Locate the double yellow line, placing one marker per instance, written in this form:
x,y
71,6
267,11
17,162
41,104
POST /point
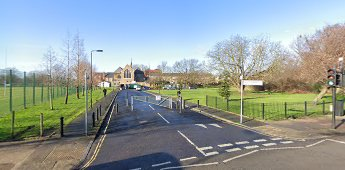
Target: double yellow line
x,y
99,145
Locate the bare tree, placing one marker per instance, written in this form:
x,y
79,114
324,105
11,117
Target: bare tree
x,y
79,55
67,50
242,56
49,61
164,67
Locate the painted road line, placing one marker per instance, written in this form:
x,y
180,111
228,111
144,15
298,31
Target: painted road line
x,y
315,143
212,153
201,125
163,118
196,147
274,139
206,148
269,144
136,169
241,143
233,150
282,148
188,166
152,107
251,147
260,140
215,125
160,164
186,159
286,142
338,141
239,156
225,145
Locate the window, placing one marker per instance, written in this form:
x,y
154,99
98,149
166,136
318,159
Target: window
x,y
127,74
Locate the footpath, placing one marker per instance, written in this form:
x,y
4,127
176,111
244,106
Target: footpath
x,y
298,129
56,152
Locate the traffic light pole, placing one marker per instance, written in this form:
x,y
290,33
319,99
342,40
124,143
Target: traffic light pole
x,y
334,98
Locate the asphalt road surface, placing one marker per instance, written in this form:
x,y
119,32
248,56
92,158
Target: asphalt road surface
x,y
155,137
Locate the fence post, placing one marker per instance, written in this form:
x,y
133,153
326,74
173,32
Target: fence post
x,y
12,124
34,90
11,108
285,109
61,126
263,111
206,100
93,119
41,124
24,90
227,104
216,102
323,107
305,108
42,93
198,104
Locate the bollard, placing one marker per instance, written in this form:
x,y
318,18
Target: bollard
x,y
184,104
206,100
100,110
285,110
180,104
97,115
323,107
305,108
61,126
126,102
117,108
227,104
198,104
41,124
93,119
263,111
97,112
132,107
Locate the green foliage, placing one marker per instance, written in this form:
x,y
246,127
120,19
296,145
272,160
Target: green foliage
x,y
224,87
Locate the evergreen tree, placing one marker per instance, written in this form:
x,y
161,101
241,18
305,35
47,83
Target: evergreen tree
x,y
224,88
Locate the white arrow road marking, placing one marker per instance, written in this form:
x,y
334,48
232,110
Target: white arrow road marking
x,y
286,142
201,125
215,125
276,139
241,143
260,140
269,144
233,150
225,145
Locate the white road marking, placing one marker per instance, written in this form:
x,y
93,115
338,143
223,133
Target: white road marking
x,y
286,142
188,166
163,118
338,141
152,107
233,150
315,143
276,139
215,125
225,145
136,169
160,164
186,159
260,140
269,144
206,148
196,147
282,148
212,153
241,143
201,125
251,147
239,156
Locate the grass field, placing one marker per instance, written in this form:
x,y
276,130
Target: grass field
x,y
27,120
272,105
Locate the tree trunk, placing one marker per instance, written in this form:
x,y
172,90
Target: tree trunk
x,y
77,92
321,94
66,99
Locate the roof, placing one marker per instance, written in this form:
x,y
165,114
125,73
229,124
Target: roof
x,y
118,70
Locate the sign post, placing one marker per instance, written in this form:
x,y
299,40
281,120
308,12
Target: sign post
x,y
247,83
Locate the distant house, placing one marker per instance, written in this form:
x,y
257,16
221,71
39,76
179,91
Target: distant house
x,y
104,84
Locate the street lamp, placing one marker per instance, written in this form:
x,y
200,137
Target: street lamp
x,y
99,51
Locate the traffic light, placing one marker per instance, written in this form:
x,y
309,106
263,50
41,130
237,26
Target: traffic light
x,y
339,80
331,78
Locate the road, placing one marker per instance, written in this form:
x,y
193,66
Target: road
x,y
155,137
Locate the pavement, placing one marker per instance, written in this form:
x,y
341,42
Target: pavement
x,y
54,152
141,137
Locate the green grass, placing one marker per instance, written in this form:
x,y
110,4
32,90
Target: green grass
x,y
274,103
29,118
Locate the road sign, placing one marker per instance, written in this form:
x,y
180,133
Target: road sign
x,y
253,82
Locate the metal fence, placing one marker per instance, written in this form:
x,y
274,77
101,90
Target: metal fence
x,y
20,90
269,111
164,101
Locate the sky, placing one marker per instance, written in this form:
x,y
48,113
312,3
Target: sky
x,y
151,31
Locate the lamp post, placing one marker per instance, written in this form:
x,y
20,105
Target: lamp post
x,y
91,73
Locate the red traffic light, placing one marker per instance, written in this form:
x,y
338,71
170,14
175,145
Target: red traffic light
x,y
331,71
331,77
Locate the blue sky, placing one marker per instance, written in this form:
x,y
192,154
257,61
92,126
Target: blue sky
x,y
151,31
